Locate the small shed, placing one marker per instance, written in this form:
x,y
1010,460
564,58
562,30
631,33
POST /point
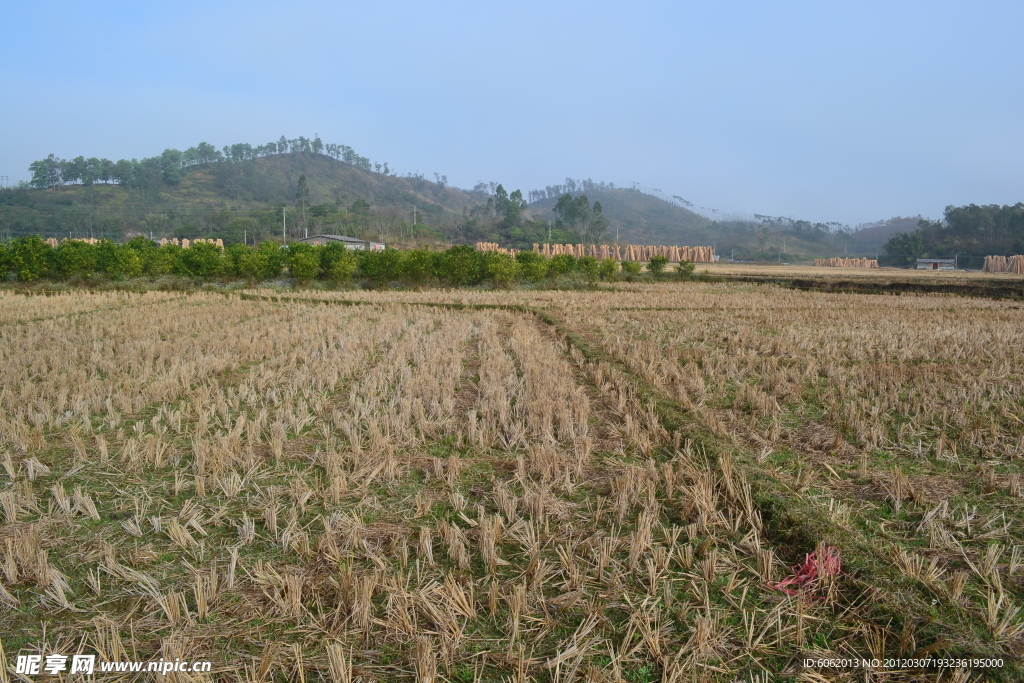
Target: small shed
x,y
936,264
349,242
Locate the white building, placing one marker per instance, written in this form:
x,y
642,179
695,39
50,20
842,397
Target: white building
x,y
936,264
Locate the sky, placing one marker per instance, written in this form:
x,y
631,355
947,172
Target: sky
x,y
824,111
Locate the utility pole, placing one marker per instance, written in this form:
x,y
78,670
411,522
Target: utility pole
x,y
414,215
284,224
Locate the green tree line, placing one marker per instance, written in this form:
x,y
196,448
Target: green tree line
x,y
968,232
54,172
31,258
501,219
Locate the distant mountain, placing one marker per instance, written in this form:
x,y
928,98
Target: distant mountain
x,y
871,236
640,218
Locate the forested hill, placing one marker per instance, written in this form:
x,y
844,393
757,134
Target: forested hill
x,y
274,180
205,197
238,193
640,218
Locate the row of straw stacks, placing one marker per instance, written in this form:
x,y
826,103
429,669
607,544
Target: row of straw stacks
x,y
185,244
838,262
628,252
1004,264
53,241
494,246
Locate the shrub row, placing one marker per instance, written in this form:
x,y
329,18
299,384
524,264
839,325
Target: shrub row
x,y
31,258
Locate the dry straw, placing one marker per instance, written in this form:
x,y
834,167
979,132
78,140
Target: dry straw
x,y
1004,264
627,252
840,262
466,492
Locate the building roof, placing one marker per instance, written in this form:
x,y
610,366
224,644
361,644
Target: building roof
x,y
936,260
336,238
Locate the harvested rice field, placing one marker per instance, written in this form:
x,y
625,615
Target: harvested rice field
x,y
678,482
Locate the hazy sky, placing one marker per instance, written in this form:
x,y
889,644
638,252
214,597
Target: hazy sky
x,y
820,110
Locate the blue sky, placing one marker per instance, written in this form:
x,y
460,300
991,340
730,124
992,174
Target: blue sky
x,y
820,110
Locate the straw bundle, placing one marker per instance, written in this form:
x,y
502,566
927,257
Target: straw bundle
x,y
494,246
1004,264
185,243
839,262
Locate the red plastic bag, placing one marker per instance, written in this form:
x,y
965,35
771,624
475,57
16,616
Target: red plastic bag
x,y
804,575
